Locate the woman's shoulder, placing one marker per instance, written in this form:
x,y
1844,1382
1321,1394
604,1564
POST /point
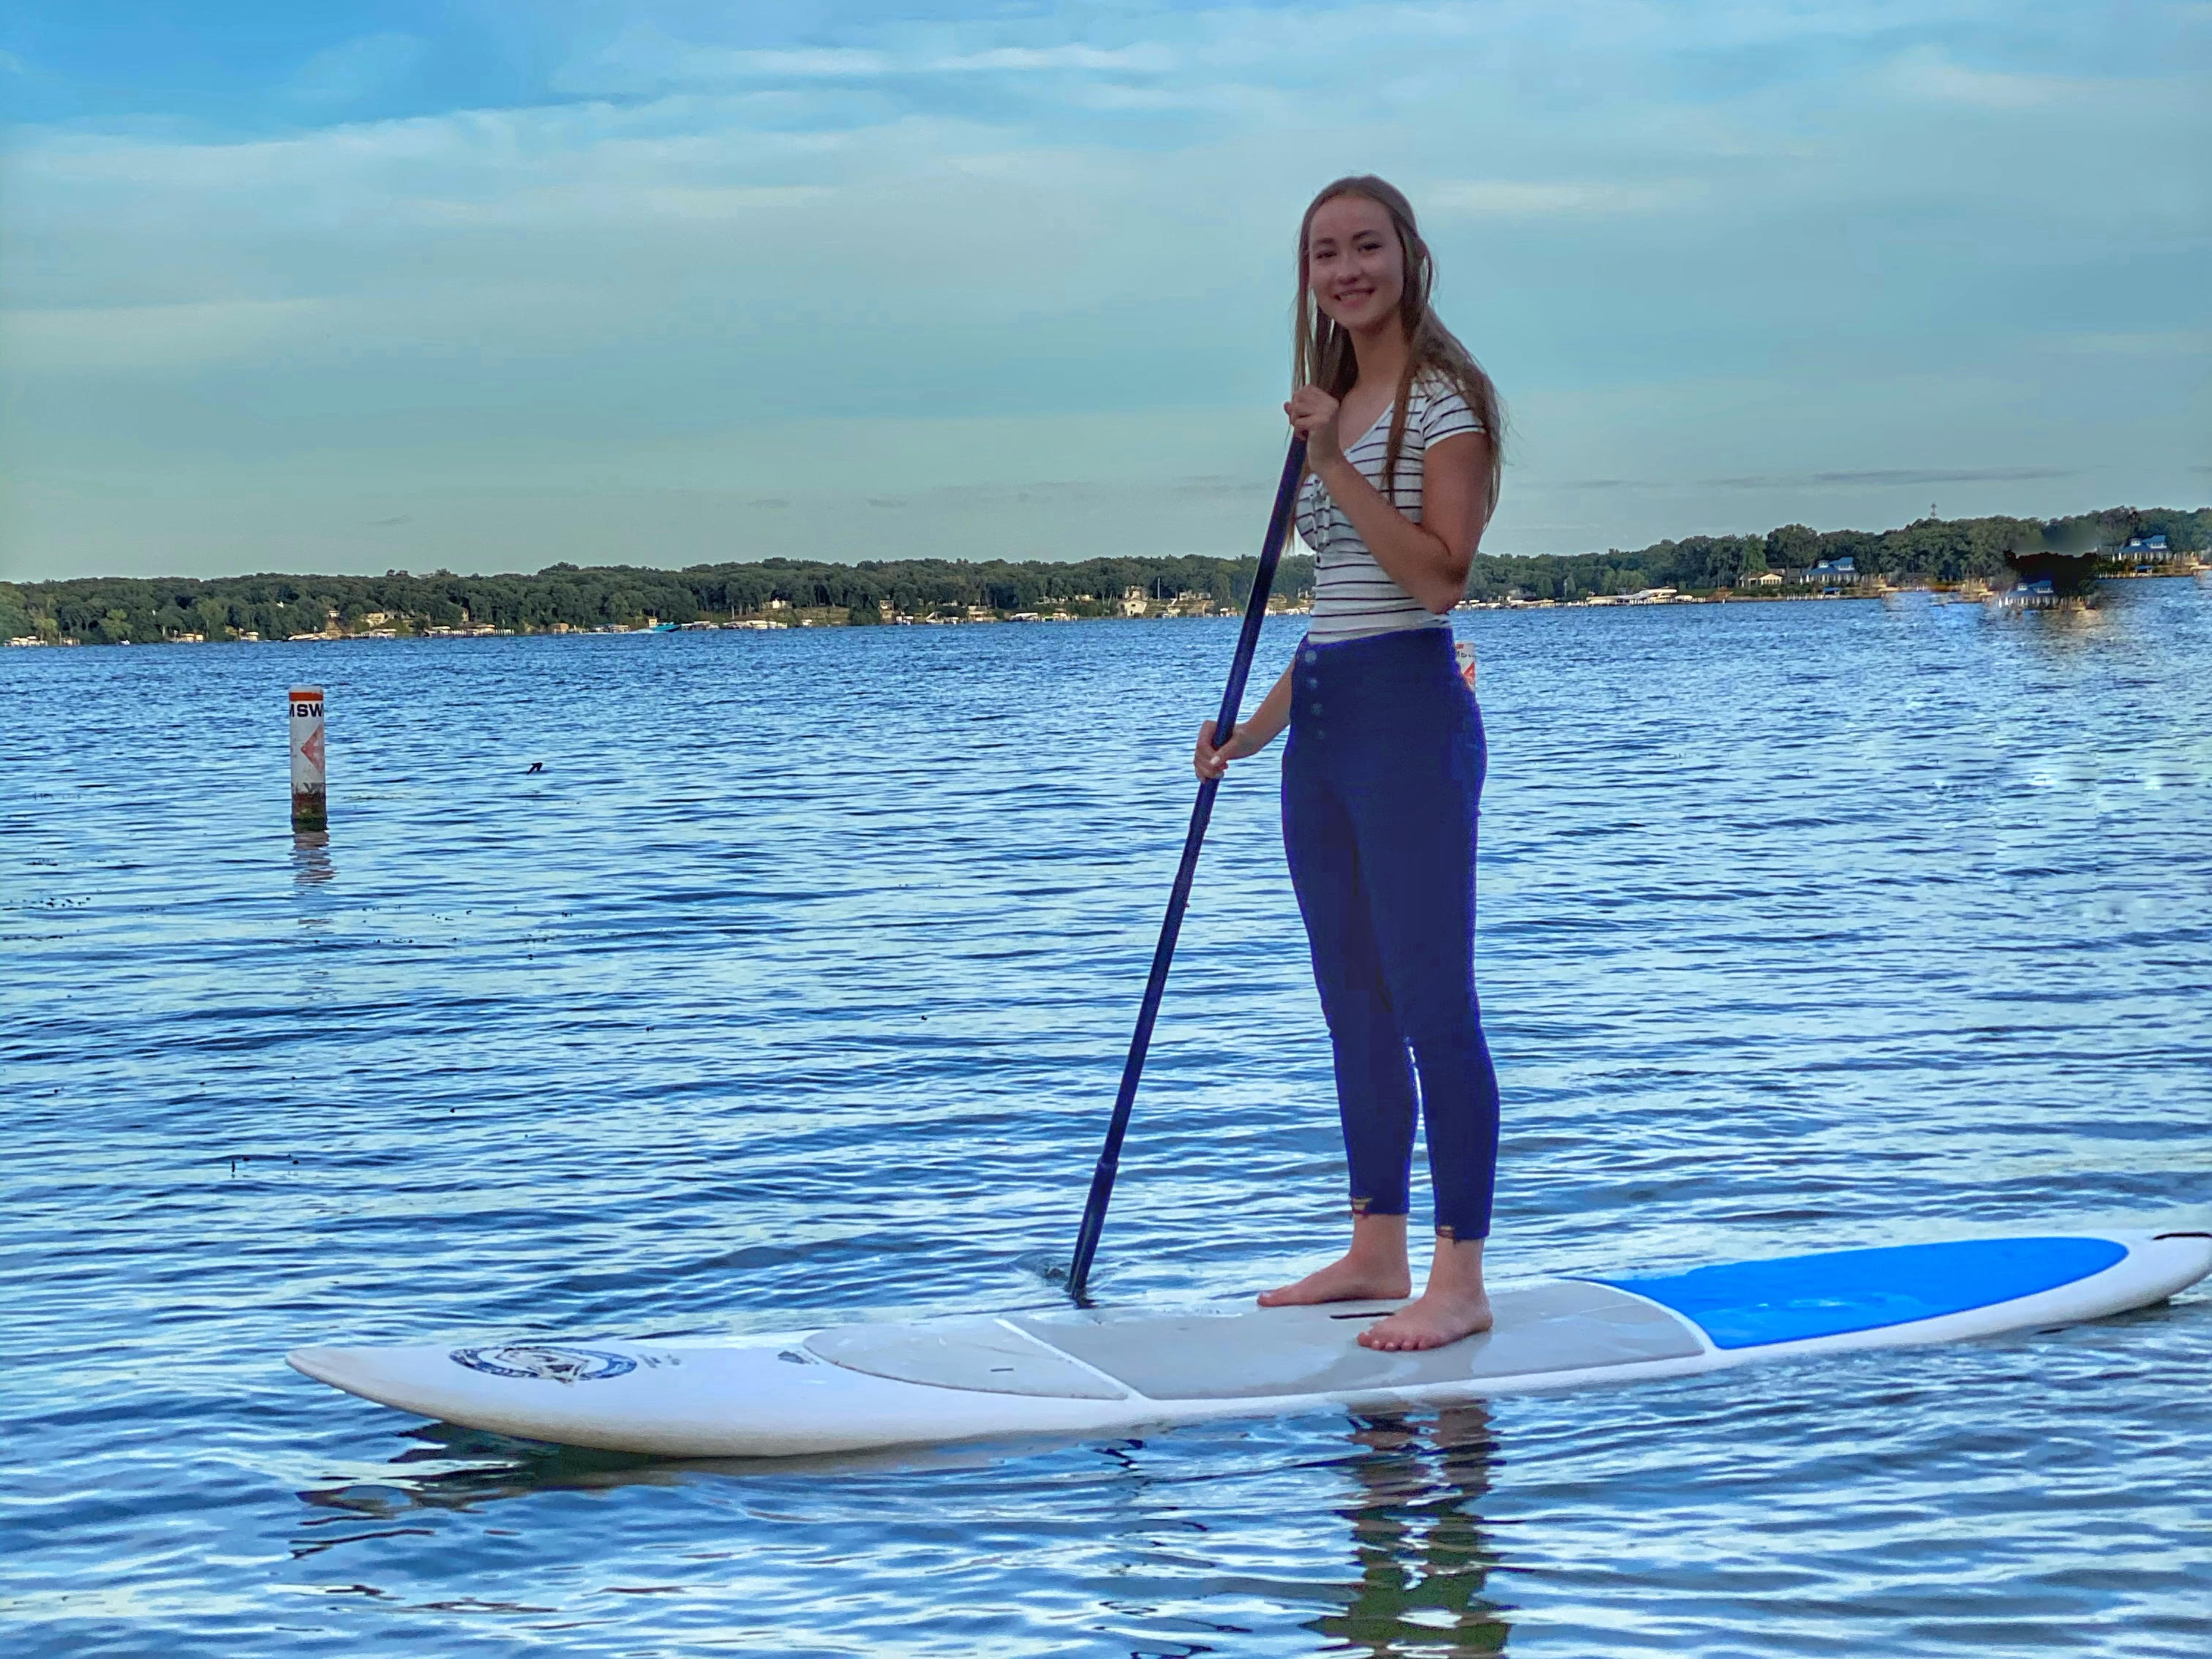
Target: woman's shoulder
x,y
1438,409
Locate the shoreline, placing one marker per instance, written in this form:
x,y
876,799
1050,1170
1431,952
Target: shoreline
x,y
1961,593
1961,559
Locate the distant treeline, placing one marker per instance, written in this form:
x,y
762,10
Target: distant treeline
x,y
1946,551
110,610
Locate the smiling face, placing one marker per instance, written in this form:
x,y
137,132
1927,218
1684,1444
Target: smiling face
x,y
1355,264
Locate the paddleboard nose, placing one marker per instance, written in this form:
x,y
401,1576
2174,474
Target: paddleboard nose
x,y
2186,1257
390,1374
318,1363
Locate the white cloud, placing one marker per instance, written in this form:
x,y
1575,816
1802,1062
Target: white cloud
x,y
360,68
1512,199
644,59
1928,72
1115,60
162,337
2151,345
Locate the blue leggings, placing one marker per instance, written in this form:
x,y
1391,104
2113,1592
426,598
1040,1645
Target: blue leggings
x,y
1382,788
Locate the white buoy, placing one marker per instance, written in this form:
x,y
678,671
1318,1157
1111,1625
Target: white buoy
x,y
308,810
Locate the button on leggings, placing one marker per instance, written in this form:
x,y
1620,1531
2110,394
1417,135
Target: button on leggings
x,y
1382,788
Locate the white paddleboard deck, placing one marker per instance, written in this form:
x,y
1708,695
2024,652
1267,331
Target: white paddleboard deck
x,y
1115,1369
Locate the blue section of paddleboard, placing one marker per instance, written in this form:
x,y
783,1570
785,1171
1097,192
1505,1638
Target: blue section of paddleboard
x,y
1749,1304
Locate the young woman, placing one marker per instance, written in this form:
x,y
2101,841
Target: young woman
x,y
1382,778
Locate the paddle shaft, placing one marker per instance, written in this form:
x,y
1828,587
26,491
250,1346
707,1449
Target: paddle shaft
x,y
1201,811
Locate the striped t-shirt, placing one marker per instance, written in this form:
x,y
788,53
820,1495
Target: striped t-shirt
x,y
1353,596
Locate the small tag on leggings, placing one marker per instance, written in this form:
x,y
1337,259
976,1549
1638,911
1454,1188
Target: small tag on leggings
x,y
1465,653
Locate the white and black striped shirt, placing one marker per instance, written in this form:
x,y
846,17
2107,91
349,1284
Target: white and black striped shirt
x,y
1353,596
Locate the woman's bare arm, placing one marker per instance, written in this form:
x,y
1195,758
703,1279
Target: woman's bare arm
x,y
1429,560
1266,723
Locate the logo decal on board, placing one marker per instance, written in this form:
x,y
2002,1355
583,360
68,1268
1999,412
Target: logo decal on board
x,y
542,1359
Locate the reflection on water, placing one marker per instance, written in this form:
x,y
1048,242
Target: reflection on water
x,y
2071,625
469,1467
311,857
1405,1504
490,1467
1418,1541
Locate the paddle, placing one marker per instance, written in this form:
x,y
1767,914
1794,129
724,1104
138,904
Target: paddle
x,y
1232,701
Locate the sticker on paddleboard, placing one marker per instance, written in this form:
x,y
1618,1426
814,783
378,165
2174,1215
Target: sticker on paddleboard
x,y
545,1361
1465,653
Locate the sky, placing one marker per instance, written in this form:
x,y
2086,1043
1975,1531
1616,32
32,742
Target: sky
x,y
493,283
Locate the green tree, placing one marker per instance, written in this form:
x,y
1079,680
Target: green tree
x,y
16,621
1791,547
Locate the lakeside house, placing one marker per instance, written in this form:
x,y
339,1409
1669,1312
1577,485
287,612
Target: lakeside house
x,y
2142,555
2037,595
2044,577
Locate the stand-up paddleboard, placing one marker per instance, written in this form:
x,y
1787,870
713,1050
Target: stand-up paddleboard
x,y
1112,1370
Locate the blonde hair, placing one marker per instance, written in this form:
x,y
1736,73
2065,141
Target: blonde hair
x,y
1320,348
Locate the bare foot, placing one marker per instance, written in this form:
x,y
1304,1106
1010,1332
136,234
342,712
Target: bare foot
x,y
1452,1305
1437,1318
1345,1280
1373,1269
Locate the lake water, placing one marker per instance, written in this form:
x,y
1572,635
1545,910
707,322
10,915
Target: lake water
x,y
794,989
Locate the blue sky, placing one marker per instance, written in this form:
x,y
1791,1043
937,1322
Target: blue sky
x,y
486,285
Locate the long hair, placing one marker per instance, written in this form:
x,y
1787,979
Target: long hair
x,y
1321,348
